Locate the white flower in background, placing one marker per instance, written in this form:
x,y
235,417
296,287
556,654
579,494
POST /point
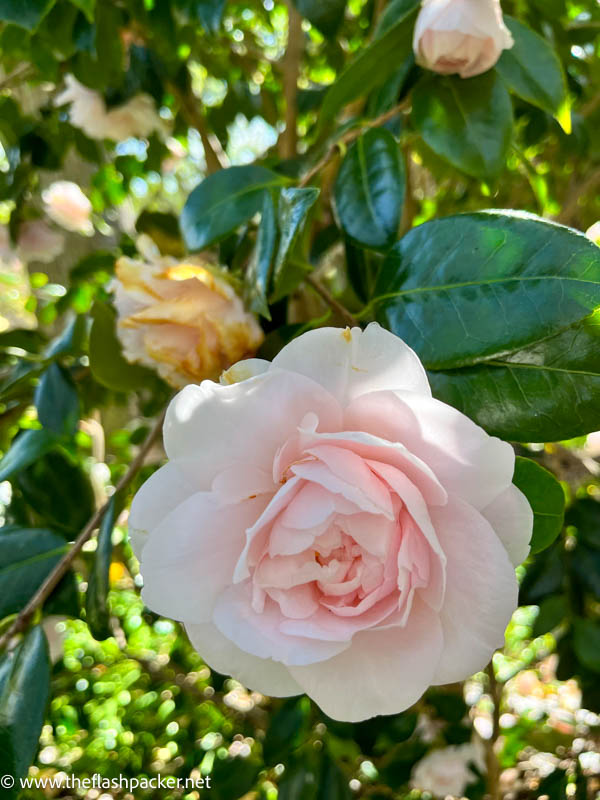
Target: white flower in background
x,y
54,628
38,242
67,205
593,233
181,318
136,117
460,36
448,771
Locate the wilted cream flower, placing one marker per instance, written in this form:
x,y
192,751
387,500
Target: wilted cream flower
x,y
67,205
136,117
460,36
182,319
448,771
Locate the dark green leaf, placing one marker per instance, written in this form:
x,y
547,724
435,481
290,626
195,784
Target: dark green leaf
x,y
107,362
545,576
58,492
333,784
258,274
285,731
96,606
224,201
70,340
294,205
207,12
553,611
25,13
532,69
26,448
27,556
546,498
87,6
467,122
57,402
498,306
326,15
372,66
369,189
23,701
586,642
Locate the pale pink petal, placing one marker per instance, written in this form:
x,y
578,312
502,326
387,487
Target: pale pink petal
x,y
189,558
209,427
158,496
466,460
510,515
241,480
383,672
320,474
260,634
349,363
221,654
481,590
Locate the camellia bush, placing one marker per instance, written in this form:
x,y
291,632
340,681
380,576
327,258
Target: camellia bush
x,y
341,259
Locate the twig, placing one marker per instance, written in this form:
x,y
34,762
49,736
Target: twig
x,y
349,318
492,764
290,65
61,569
579,190
349,136
190,110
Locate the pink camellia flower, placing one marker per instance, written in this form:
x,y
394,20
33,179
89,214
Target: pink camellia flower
x,y
67,205
38,242
135,117
460,36
325,526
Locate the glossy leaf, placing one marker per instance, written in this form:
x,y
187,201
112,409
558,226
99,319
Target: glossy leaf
x,y
286,730
294,205
57,402
25,13
223,202
553,611
27,556
26,448
23,698
532,69
586,642
107,362
58,492
326,15
207,12
373,65
467,122
258,274
96,599
369,189
456,290
546,498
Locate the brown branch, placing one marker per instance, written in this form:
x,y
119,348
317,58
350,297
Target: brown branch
x,y
63,566
348,318
571,206
349,136
189,106
492,764
290,65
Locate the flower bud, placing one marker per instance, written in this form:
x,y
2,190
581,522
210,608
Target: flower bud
x,y
67,205
182,319
465,37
